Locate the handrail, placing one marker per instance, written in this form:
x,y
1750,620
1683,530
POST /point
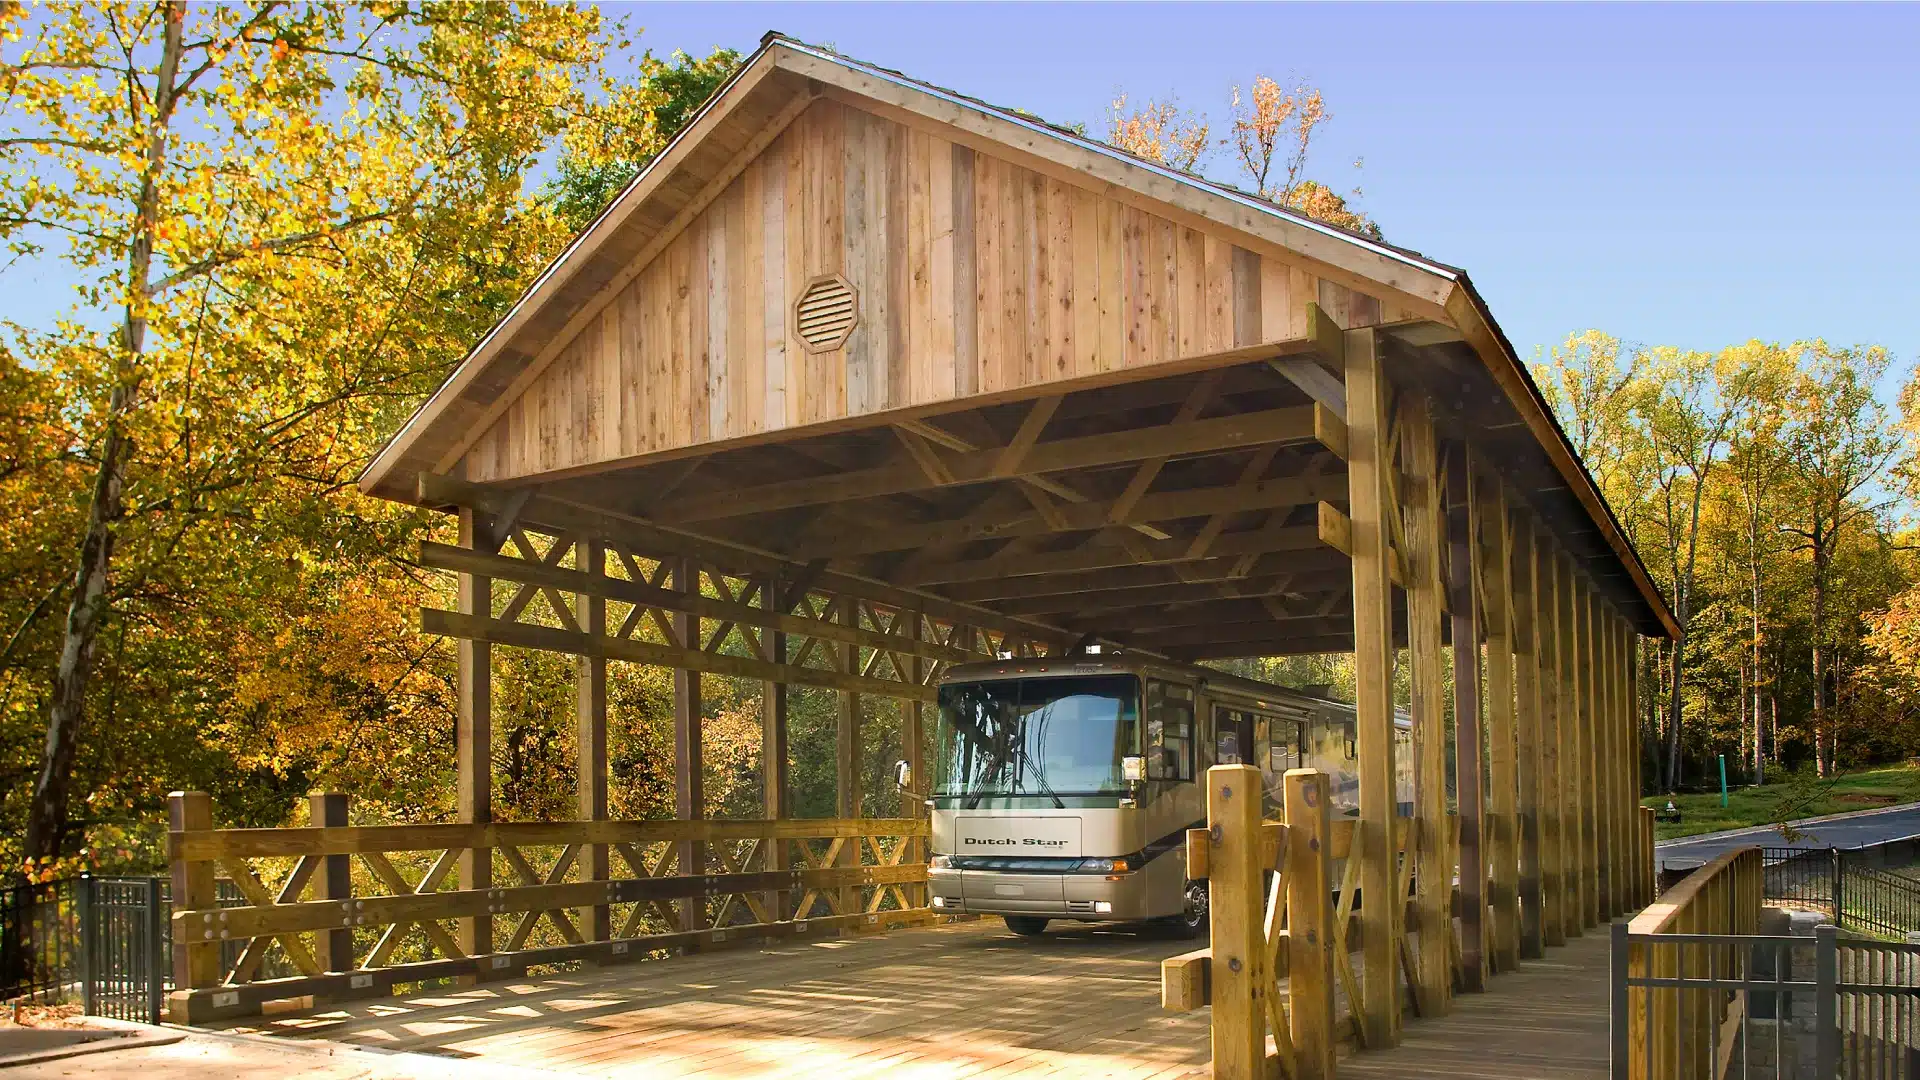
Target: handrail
x,y
1675,902
1671,1026
517,894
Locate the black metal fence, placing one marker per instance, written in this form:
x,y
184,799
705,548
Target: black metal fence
x,y
1851,884
1764,1007
100,943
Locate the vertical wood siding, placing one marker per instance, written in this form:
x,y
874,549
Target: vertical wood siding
x,y
973,276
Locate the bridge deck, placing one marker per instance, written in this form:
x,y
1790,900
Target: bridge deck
x,y
967,999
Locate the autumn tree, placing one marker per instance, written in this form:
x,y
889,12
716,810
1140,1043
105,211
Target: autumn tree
x,y
283,220
1837,443
1159,131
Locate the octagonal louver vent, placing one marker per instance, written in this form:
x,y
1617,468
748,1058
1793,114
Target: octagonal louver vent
x,y
826,313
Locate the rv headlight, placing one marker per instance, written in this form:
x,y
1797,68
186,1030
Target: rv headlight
x,y
940,862
939,901
1105,866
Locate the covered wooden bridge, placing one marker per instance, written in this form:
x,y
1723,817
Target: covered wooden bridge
x,y
862,378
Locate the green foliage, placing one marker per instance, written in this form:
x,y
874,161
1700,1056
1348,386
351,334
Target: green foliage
x,y
639,121
1798,794
1759,484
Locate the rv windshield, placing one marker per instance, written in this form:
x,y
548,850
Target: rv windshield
x,y
1045,737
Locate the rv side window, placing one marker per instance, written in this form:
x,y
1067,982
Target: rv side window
x,y
1169,731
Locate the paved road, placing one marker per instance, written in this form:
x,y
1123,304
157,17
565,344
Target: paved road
x,y
1853,830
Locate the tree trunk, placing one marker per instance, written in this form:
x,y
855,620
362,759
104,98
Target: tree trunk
x,y
1673,711
1822,738
1759,753
87,609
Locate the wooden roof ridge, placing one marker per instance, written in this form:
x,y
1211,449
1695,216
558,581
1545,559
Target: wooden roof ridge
x,y
779,80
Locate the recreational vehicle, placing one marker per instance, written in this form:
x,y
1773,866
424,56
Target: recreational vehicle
x,y
1062,788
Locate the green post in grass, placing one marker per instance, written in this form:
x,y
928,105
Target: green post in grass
x,y
1723,781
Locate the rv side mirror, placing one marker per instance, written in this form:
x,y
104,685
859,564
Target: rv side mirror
x,y
1133,769
902,775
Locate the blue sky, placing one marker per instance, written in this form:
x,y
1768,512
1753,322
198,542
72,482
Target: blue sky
x,y
1689,175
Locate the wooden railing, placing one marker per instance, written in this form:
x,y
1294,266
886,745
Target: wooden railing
x,y
1671,1030
1266,928
359,910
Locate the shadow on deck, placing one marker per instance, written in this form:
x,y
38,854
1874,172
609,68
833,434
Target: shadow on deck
x,y
962,999
967,999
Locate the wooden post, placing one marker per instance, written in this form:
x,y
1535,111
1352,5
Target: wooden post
x,y
1605,757
913,742
1526,650
1309,881
196,956
846,756
1553,878
1496,554
773,742
473,749
1236,889
1590,728
1583,751
1619,806
1432,853
1573,913
590,739
689,759
1370,501
1467,740
333,949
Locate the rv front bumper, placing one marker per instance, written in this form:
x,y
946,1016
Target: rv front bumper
x,y
1047,896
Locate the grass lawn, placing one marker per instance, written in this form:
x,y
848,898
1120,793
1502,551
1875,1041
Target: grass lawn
x,y
1791,799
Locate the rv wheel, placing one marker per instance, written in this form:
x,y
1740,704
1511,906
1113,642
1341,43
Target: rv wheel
x,y
1192,920
1025,925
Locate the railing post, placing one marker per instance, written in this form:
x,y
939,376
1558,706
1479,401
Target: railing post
x,y
1308,873
155,956
1617,1014
89,944
1234,885
1826,974
196,950
1833,857
333,948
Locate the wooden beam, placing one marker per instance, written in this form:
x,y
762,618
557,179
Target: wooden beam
x,y
1527,749
1468,740
473,734
996,524
1315,564
1242,978
1309,947
601,588
1433,846
591,761
689,745
1553,878
1289,425
846,742
742,560
1370,501
1503,852
1093,604
775,771
1270,630
531,636
1095,555
1572,760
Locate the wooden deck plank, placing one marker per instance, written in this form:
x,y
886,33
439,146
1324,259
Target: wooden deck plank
x,y
963,1000
968,1000
1545,1021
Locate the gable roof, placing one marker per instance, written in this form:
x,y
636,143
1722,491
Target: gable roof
x,y
780,80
